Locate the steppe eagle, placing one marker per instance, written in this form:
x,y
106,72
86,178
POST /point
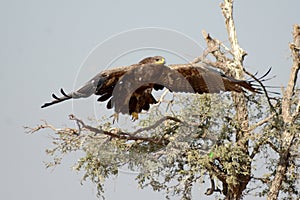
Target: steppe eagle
x,y
129,89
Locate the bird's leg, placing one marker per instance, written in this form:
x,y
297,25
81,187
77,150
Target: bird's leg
x,y
135,116
115,117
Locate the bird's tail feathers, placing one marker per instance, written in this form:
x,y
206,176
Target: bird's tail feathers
x,y
257,83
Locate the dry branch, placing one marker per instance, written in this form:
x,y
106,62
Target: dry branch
x,y
126,135
287,136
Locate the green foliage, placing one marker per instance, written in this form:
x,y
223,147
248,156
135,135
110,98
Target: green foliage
x,y
202,143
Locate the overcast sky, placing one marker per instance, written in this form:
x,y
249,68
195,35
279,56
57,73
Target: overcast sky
x,y
46,45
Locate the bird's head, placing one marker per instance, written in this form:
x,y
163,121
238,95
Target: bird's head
x,y
153,60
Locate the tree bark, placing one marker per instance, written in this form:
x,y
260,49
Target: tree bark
x,y
287,136
234,68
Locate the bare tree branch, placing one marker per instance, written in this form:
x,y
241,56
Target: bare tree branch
x,y
258,124
289,91
237,51
263,180
287,136
213,48
156,124
30,130
124,135
296,114
260,144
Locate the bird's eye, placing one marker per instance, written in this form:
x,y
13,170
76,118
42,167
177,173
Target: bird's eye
x,y
157,59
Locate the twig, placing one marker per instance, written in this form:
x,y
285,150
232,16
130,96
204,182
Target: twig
x,y
30,130
297,111
258,124
262,142
263,180
157,123
119,134
213,47
204,54
161,99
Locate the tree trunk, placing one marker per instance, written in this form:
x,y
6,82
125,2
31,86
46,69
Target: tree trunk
x,y
288,119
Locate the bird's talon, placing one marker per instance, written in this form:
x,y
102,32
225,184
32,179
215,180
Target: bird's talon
x,y
115,117
135,116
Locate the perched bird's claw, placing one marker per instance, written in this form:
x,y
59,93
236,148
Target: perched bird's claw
x,y
115,117
134,116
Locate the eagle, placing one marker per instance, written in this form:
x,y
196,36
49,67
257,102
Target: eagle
x,y
128,89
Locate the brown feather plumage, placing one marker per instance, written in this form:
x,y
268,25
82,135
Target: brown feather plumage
x,y
129,89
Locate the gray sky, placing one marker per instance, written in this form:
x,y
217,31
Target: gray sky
x,y
44,43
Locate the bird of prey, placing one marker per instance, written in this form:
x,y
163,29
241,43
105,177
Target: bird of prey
x,y
129,89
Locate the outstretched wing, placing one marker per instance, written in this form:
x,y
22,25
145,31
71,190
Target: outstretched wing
x,y
129,89
102,84
204,79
